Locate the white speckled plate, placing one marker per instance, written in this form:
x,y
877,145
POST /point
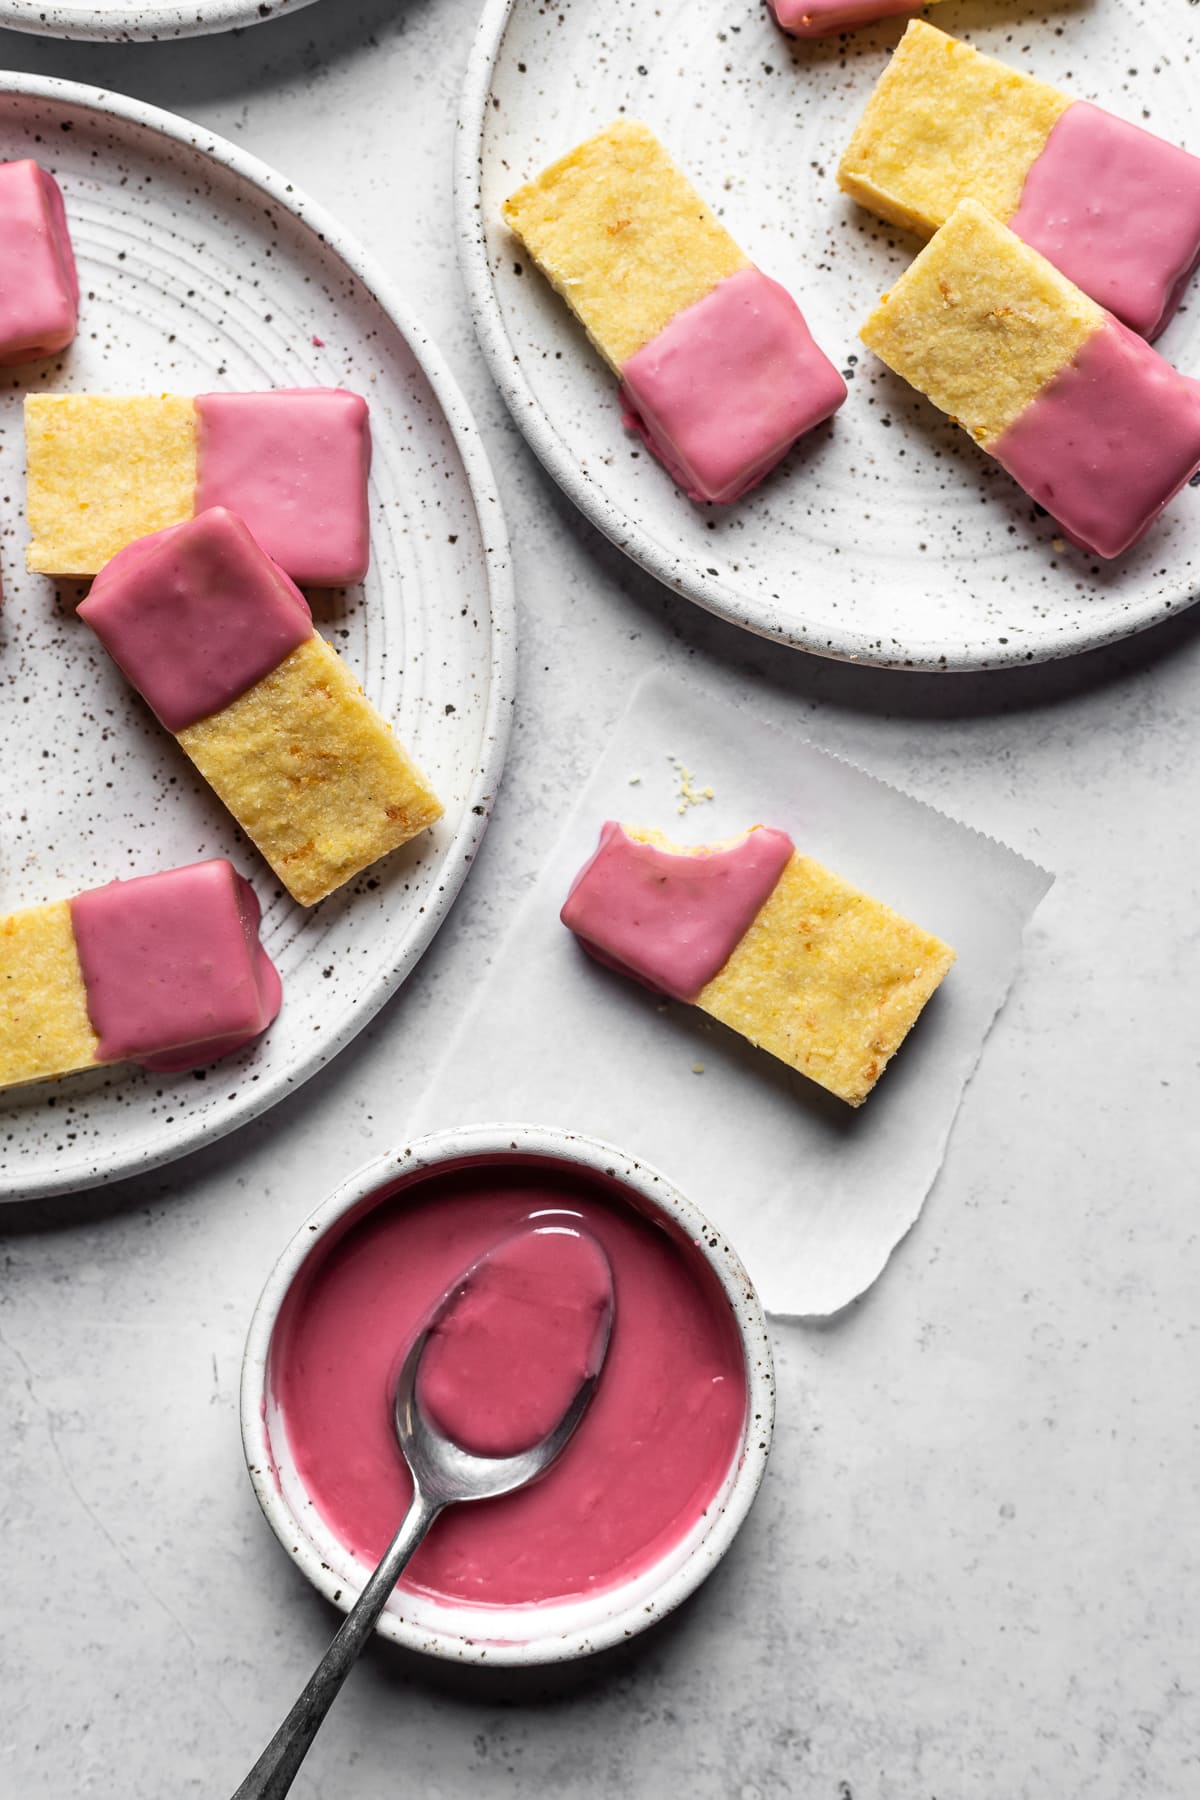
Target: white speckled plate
x,y
199,269
886,536
128,20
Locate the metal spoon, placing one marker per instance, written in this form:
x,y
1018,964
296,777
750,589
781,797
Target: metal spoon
x,y
443,1474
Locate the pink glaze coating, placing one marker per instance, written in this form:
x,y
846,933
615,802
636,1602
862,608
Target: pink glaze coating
x,y
825,18
1107,441
1116,209
294,465
724,390
662,1433
672,920
39,288
174,972
523,1333
195,615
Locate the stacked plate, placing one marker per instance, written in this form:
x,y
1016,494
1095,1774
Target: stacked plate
x,y
126,20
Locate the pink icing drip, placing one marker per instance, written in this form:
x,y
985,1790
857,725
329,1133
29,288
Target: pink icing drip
x,y
195,615
174,971
523,1334
39,288
1116,209
1107,441
648,1458
671,920
728,386
825,18
294,464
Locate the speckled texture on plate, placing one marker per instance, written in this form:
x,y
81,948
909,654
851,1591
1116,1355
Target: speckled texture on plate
x,y
129,20
886,536
201,269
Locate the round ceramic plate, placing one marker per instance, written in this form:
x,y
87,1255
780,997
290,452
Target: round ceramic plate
x,y
127,20
201,269
886,536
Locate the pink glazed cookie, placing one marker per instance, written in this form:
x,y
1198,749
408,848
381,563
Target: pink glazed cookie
x,y
719,373
1093,422
220,643
39,289
103,470
826,18
165,970
765,940
1112,206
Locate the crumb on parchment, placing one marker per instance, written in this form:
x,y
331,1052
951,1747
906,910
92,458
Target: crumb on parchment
x,y
686,792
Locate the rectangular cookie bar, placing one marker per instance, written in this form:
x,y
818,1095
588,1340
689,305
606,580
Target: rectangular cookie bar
x,y
766,940
165,970
1111,205
1091,421
220,643
719,373
39,289
104,470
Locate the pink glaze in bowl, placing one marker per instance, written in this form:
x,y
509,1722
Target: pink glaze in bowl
x,y
517,1633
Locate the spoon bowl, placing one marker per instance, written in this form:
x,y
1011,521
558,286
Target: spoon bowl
x,y
441,1469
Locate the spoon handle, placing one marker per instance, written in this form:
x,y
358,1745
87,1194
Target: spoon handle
x,y
276,1769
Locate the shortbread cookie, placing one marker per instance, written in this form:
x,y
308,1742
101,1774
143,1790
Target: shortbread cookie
x,y
165,970
1114,207
104,470
220,643
827,18
719,372
1091,421
767,941
39,289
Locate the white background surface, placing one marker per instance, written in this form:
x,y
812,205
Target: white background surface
x,y
972,1568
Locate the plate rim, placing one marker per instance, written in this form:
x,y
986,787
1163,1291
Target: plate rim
x,y
719,597
459,856
90,23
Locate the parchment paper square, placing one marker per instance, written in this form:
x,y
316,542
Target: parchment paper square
x,y
813,1194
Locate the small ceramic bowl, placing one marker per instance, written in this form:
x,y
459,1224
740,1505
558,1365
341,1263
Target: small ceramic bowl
x,y
551,1631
